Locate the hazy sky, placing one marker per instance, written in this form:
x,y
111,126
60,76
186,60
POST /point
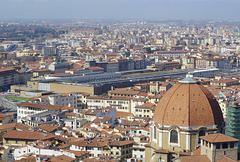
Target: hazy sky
x,y
118,9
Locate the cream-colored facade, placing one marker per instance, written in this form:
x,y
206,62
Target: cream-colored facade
x,y
121,151
120,104
26,53
188,139
144,112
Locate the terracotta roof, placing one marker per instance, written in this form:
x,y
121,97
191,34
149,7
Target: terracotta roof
x,y
27,159
38,70
27,135
188,104
195,158
60,74
226,159
6,69
120,143
92,112
94,68
62,158
145,105
79,153
14,126
225,81
3,116
218,137
197,151
123,114
47,127
162,151
102,120
63,146
98,160
42,106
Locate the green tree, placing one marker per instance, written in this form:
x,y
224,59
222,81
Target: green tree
x,y
148,49
178,42
127,54
227,43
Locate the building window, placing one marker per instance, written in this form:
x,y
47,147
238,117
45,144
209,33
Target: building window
x,y
218,146
225,145
201,133
232,145
173,136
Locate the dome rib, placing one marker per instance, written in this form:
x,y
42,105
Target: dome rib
x,y
205,96
214,105
168,103
189,116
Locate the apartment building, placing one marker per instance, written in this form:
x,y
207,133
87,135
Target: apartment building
x,y
26,109
96,148
172,54
9,76
119,103
76,99
145,110
224,82
123,104
124,92
121,149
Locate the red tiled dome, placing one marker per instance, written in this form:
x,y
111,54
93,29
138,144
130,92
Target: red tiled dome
x,y
188,104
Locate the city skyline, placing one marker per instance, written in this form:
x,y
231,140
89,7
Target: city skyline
x,y
122,9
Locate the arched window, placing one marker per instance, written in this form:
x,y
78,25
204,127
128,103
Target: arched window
x,y
173,136
201,133
155,133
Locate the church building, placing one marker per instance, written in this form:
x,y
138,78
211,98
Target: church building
x,y
186,112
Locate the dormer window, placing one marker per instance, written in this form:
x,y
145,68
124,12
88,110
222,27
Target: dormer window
x,y
173,136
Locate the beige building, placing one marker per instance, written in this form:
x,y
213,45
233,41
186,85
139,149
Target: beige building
x,y
119,103
121,149
41,72
145,110
159,86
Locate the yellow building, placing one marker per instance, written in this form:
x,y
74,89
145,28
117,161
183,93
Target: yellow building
x,y
145,110
41,72
121,149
